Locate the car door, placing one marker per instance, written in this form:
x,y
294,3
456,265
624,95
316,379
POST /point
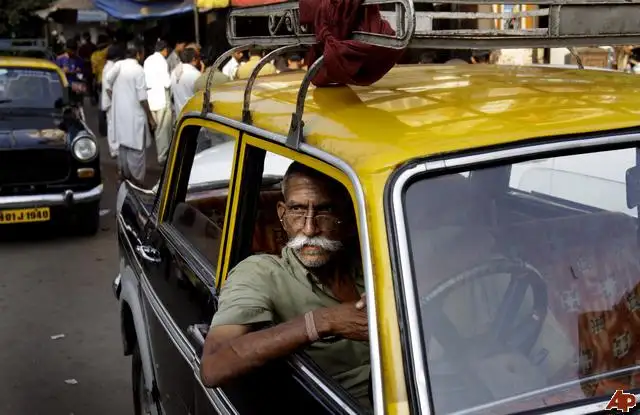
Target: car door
x,y
180,256
293,384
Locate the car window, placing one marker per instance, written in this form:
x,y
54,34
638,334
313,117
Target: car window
x,y
588,179
528,292
199,217
29,88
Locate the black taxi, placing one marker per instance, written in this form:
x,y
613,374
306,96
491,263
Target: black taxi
x,y
50,167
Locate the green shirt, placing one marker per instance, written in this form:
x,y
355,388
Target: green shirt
x,y
272,289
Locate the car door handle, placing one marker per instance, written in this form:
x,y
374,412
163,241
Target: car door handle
x,y
148,253
197,333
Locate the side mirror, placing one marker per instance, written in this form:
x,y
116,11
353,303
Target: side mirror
x,y
632,182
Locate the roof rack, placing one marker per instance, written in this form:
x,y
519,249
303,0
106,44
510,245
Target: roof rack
x,y
23,44
570,23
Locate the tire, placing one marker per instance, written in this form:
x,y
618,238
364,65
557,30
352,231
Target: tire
x,y
88,219
140,404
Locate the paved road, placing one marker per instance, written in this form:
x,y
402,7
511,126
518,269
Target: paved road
x,y
54,284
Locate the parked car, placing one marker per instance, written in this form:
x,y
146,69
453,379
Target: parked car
x,y
49,161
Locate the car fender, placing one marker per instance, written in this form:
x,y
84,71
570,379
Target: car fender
x,y
134,323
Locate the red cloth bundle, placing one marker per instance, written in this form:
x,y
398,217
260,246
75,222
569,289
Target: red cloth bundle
x,y
347,62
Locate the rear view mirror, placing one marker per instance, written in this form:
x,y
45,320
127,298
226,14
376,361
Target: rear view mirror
x,y
632,181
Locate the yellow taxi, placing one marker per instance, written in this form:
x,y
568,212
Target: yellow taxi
x,y
495,214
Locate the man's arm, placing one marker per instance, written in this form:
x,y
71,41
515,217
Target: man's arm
x,y
141,93
233,350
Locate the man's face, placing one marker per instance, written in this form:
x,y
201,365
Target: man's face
x,y
237,56
180,46
312,219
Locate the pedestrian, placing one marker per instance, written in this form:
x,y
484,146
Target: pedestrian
x,y
173,60
295,62
156,72
114,54
184,77
132,119
98,61
231,67
479,57
70,62
85,51
255,54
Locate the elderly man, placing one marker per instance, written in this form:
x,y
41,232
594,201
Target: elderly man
x,y
311,292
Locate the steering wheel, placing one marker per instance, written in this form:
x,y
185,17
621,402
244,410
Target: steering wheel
x,y
504,335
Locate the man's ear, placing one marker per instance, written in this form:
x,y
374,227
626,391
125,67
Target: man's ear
x,y
281,209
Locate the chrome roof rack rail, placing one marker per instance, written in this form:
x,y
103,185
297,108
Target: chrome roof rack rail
x,y
246,113
570,22
296,130
207,105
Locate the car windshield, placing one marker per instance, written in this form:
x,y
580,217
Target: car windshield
x,y
29,88
528,281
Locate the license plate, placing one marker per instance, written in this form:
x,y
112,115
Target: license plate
x,y
25,215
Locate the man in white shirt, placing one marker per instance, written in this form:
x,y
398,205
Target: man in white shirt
x,y
184,77
231,67
132,118
156,73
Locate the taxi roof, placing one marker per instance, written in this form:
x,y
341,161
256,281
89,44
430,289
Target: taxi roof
x,y
423,110
27,62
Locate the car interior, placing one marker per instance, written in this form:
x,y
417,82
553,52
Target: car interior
x,y
580,264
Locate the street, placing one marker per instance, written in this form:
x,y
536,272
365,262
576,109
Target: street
x,y
60,328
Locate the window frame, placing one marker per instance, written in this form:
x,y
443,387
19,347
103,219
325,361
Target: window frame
x,y
173,189
320,386
413,347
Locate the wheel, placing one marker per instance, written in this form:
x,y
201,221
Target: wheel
x,y
88,219
141,402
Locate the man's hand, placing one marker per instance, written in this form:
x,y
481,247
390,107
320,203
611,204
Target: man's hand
x,y
152,124
347,320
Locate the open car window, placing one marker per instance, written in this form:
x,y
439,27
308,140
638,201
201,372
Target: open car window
x,y
528,281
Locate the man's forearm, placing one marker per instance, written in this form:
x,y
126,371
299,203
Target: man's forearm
x,y
147,110
242,354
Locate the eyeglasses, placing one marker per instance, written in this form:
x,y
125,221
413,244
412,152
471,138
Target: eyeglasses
x,y
324,221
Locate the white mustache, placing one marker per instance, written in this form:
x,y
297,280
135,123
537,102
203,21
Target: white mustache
x,y
299,241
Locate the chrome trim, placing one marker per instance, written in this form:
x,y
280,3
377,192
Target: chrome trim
x,y
417,362
216,397
374,342
173,331
299,364
116,286
456,161
367,269
419,369
238,125
79,137
57,199
139,189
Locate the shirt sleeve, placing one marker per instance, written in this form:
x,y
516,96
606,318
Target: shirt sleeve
x,y
141,86
245,296
111,75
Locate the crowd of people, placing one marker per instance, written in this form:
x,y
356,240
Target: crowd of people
x,y
141,96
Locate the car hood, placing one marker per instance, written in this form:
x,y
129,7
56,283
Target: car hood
x,y
31,132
